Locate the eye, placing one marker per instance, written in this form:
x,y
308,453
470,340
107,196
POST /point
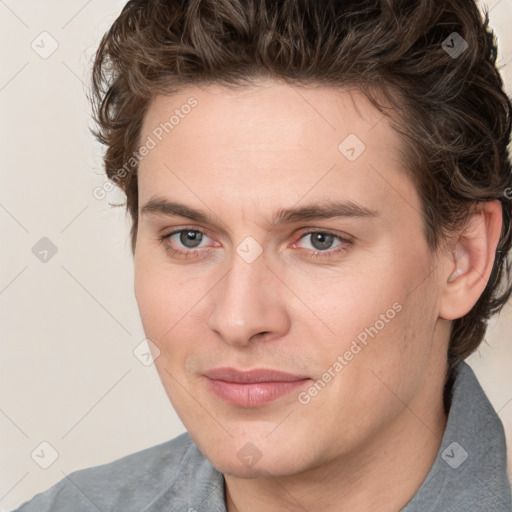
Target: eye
x,y
319,241
188,238
322,244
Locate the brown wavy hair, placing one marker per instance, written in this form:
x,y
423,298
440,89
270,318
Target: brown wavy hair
x,y
451,111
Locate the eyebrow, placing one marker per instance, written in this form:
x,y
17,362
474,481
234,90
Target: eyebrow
x,y
159,206
323,210
317,211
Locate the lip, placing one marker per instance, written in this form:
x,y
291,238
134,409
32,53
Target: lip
x,y
252,388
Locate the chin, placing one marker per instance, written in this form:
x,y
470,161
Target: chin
x,y
248,474
262,469
244,459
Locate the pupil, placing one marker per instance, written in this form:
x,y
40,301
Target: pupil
x,y
190,239
322,241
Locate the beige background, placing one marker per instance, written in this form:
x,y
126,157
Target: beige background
x,y
68,375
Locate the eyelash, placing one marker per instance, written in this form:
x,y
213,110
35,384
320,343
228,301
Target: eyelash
x,y
180,253
314,254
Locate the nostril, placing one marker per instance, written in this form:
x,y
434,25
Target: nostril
x,y
260,334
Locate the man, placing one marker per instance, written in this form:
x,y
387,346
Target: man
x,y
320,233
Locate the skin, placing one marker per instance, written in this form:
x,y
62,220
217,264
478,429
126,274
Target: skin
x,y
368,439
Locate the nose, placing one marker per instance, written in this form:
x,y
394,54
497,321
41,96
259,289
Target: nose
x,y
248,302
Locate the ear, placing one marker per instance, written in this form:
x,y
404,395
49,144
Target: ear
x,y
470,263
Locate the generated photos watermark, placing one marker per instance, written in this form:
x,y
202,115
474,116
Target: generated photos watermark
x,y
151,142
342,361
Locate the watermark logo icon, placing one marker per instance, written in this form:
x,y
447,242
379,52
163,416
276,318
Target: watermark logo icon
x,y
44,455
454,455
455,45
146,352
249,455
352,147
44,250
44,45
249,250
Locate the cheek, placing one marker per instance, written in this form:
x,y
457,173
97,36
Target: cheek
x,y
165,299
342,304
152,304
173,318
163,312
371,371
379,320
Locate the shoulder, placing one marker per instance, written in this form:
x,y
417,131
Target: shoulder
x,y
129,483
469,472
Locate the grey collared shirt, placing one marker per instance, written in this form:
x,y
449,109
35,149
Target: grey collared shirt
x,y
468,475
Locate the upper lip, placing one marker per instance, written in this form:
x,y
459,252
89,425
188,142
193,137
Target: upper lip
x,y
252,376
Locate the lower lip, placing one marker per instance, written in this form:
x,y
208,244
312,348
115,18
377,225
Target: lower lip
x,y
255,394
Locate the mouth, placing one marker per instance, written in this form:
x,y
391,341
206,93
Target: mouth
x,y
253,388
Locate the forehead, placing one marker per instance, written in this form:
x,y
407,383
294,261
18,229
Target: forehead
x,y
273,114
272,142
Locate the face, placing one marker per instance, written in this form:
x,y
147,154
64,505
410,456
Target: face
x,y
282,272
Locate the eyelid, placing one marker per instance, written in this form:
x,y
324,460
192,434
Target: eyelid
x,y
180,229
328,255
185,253
345,238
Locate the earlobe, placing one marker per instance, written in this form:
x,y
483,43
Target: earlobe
x,y
472,259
